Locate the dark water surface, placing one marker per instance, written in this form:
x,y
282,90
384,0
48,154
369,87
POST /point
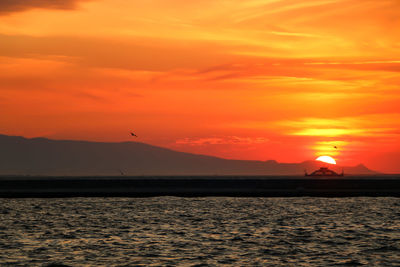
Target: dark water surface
x,y
213,231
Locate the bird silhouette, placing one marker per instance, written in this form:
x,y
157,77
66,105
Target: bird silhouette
x,y
134,135
335,147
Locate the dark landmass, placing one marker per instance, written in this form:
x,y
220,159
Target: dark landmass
x,y
196,186
41,156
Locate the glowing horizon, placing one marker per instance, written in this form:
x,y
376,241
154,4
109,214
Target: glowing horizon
x,y
283,80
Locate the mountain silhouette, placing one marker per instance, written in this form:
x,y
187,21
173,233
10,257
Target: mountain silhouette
x,y
41,156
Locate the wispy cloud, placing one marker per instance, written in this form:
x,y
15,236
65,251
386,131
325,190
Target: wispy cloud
x,y
228,140
362,126
10,6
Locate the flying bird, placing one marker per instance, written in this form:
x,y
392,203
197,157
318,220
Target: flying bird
x,y
134,135
335,147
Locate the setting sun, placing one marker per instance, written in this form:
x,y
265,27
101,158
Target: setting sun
x,y
326,159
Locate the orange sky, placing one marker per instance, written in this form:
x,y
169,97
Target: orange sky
x,y
275,79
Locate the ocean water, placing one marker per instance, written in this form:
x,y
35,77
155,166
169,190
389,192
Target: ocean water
x,y
212,231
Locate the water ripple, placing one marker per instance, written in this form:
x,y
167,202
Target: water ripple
x,y
175,231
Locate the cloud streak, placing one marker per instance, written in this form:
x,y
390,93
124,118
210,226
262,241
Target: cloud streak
x,y
10,6
229,140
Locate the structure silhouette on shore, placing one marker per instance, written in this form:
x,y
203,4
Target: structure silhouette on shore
x,y
324,171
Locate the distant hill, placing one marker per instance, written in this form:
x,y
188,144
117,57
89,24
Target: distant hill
x,y
41,156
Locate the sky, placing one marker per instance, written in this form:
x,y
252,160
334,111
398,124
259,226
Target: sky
x,y
276,79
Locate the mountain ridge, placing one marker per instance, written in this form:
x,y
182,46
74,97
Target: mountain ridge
x,y
43,156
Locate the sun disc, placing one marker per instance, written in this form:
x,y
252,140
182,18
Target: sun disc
x,y
326,159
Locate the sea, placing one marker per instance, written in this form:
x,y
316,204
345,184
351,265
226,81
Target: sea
x,y
210,231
